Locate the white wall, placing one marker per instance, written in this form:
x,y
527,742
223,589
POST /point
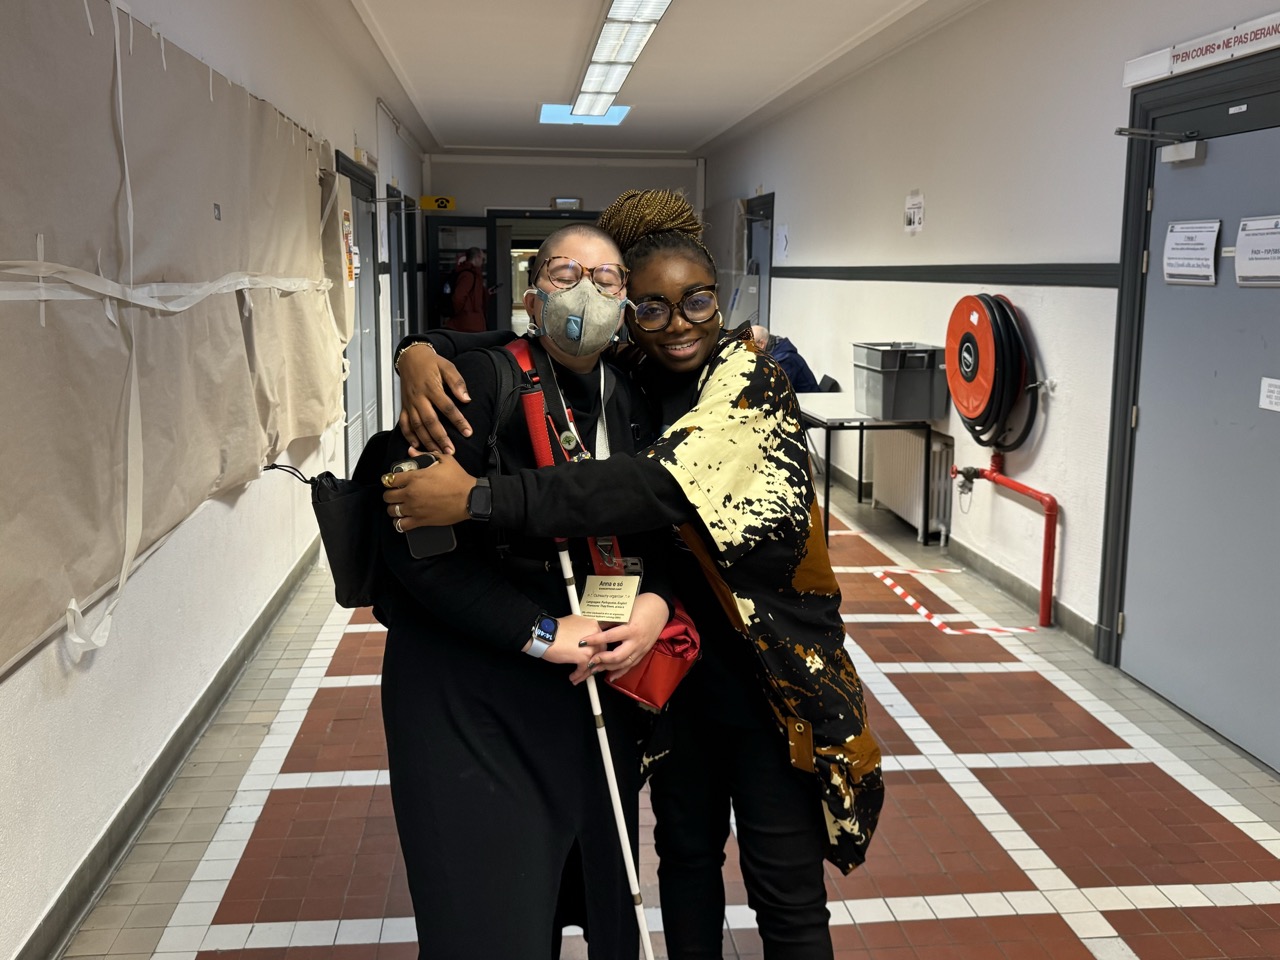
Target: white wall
x,y
1004,119
75,740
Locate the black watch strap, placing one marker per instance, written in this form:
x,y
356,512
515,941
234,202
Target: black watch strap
x,y
480,500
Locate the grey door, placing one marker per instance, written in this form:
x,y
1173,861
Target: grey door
x,y
1201,579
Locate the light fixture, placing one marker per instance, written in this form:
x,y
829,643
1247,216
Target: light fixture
x,y
638,10
592,104
605,77
627,28
622,42
562,113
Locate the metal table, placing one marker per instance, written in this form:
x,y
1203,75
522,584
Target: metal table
x,y
829,412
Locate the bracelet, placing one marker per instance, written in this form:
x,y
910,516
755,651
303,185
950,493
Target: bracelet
x,y
406,348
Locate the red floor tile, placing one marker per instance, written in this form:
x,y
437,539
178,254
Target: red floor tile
x,y
928,842
854,551
320,854
342,731
924,643
865,593
1003,712
1212,933
358,654
1045,937
363,615
891,737
1125,824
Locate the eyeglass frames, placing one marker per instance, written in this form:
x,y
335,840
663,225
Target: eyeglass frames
x,y
697,306
565,272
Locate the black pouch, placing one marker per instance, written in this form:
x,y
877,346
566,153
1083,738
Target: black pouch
x,y
347,512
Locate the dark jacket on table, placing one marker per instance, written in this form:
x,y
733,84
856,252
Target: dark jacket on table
x,y
792,364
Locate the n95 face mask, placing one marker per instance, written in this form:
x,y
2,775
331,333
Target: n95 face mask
x,y
580,320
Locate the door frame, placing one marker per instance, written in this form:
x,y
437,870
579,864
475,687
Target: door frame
x,y
759,209
1233,81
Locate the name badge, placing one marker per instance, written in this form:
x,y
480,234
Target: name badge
x,y
609,599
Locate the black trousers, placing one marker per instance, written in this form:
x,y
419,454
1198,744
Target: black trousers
x,y
781,839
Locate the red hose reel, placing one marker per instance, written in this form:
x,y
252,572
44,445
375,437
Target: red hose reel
x,y
989,370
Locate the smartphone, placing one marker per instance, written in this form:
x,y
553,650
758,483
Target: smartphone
x,y
425,541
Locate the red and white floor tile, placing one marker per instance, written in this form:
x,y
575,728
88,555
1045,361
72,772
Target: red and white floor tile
x,y
1040,805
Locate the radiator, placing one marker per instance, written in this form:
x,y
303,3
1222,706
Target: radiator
x,y
897,476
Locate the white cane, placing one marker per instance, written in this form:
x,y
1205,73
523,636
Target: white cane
x,y
566,567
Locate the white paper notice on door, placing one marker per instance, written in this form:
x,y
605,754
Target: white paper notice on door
x,y
1189,252
1258,252
1269,399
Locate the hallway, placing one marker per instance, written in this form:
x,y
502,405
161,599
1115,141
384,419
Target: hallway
x,y
1040,804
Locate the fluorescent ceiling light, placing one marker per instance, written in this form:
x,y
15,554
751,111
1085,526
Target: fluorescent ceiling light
x,y
638,9
605,77
592,104
563,113
622,42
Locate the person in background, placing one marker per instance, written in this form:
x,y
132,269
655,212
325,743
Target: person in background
x,y
497,782
772,719
470,296
788,357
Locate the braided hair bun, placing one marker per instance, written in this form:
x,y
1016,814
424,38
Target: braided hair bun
x,y
643,222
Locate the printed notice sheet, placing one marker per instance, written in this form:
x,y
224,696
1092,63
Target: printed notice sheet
x,y
1258,252
1189,252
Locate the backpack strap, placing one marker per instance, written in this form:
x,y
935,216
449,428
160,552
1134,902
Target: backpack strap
x,y
505,403
606,555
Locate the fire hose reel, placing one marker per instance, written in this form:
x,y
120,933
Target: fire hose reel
x,y
989,368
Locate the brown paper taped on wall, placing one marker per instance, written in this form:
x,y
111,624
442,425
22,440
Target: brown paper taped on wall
x,y
224,385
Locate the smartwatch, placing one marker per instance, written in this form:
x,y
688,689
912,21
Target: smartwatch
x,y
542,635
480,500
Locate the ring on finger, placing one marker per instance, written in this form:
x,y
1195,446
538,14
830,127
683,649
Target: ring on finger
x,y
399,528
398,511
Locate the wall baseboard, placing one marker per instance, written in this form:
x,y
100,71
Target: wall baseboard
x,y
1077,626
55,931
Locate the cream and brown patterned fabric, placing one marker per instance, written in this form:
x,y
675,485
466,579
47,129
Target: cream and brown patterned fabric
x,y
740,457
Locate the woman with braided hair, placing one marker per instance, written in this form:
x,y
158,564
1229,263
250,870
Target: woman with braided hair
x,y
774,700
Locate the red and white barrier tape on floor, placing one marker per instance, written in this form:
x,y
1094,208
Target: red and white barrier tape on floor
x,y
941,624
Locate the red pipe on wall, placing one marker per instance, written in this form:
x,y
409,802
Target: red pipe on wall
x,y
995,474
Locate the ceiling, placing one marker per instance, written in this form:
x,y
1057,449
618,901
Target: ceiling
x,y
478,71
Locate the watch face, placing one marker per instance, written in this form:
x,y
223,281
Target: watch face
x,y
480,502
547,627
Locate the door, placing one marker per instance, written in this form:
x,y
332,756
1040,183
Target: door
x,y
1200,575
366,348
448,240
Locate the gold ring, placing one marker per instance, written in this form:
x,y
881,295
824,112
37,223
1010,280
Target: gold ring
x,y
399,529
398,513
630,657
388,480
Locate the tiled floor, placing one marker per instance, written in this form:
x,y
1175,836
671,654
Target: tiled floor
x,y
1040,804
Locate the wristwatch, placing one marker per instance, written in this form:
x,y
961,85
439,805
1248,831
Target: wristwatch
x,y
480,500
542,635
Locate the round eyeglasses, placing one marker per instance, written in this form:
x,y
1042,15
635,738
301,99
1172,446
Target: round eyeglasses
x,y
566,272
697,306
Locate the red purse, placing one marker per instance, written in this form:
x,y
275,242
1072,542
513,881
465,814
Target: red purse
x,y
653,680
655,677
